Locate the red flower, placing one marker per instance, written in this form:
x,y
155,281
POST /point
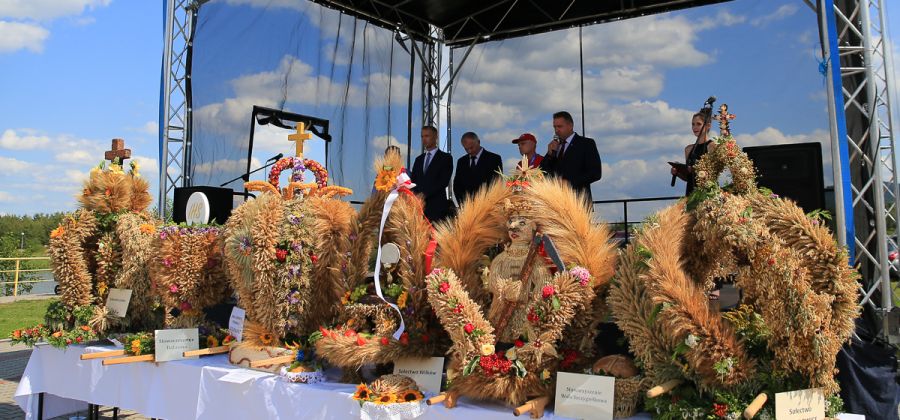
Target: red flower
x,y
78,339
468,328
771,261
281,255
349,333
384,341
425,338
404,338
360,341
458,308
444,287
720,410
533,317
314,258
519,343
548,291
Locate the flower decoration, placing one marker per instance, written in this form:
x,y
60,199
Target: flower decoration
x,y
386,179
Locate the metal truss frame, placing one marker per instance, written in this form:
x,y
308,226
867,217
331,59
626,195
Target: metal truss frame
x,y
866,181
175,108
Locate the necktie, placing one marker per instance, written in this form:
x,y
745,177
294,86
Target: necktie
x,y
562,149
471,161
427,161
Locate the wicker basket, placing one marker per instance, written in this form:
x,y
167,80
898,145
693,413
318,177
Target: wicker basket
x,y
628,396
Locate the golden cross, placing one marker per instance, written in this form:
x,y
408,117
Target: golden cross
x,y
724,117
118,152
299,137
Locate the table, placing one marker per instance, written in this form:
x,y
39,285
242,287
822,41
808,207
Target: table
x,y
193,389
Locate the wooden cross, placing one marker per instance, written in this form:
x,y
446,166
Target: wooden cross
x,y
299,137
119,153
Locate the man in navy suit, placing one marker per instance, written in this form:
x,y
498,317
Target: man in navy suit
x,y
572,157
474,169
431,174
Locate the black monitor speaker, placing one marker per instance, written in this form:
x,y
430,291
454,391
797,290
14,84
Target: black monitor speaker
x,y
792,171
220,203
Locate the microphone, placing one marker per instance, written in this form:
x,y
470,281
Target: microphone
x,y
276,157
710,100
556,151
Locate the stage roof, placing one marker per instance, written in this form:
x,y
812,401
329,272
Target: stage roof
x,y
473,21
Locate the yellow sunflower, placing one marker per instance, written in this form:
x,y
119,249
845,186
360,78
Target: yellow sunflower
x,y
362,393
212,341
410,396
386,399
267,339
147,228
136,347
385,180
401,300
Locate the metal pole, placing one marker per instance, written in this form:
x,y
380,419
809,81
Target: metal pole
x,y
167,89
16,279
875,153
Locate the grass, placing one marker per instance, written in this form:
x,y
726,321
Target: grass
x,y
24,313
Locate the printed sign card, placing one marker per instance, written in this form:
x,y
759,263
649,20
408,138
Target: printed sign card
x,y
807,404
236,323
171,344
117,302
584,396
426,372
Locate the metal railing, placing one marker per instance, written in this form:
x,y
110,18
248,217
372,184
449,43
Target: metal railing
x,y
18,270
625,220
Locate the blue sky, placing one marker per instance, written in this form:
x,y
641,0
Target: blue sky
x,y
76,73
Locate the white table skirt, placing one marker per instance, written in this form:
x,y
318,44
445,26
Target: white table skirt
x,y
189,389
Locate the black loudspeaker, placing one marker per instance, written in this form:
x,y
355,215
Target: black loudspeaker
x,y
792,171
220,203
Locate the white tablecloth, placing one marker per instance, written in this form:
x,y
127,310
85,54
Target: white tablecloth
x,y
188,389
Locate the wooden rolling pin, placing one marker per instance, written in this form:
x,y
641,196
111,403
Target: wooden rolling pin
x,y
756,405
102,354
663,388
128,359
273,361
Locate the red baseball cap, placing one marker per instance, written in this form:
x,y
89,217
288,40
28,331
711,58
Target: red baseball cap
x,y
525,137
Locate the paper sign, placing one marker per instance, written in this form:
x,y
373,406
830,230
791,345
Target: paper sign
x,y
848,416
426,372
171,344
584,396
117,302
236,323
808,404
239,376
117,343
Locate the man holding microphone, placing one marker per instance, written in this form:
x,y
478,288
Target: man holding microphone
x,y
572,157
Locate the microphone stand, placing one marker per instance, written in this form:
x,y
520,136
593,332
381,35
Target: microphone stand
x,y
706,123
246,176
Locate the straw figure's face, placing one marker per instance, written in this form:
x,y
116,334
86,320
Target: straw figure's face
x,y
520,228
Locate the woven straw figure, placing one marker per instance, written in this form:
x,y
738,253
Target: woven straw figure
x,y
799,295
507,322
105,244
366,325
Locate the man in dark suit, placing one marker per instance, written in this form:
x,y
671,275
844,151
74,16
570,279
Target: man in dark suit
x,y
431,174
474,169
572,157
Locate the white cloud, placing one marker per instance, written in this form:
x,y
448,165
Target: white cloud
x,y
47,9
6,197
150,128
23,139
12,165
780,13
16,36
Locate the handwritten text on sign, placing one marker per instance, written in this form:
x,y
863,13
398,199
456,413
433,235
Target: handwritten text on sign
x,y
808,404
426,372
585,396
171,344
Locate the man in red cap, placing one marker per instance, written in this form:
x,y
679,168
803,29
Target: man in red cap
x,y
527,143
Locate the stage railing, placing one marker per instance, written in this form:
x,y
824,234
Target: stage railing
x,y
16,273
625,223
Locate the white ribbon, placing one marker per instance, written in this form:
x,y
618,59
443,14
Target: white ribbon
x,y
403,181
